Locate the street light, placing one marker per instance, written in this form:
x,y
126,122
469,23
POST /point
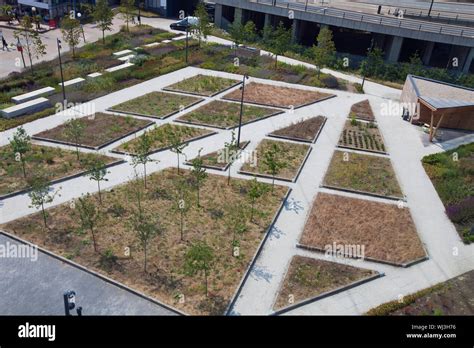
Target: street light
x,y
431,7
370,50
82,28
187,37
241,108
61,69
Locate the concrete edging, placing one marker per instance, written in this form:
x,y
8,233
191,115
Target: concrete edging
x,y
363,193
313,141
168,89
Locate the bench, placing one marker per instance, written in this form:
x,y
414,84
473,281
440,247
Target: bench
x,y
73,83
28,107
33,95
119,67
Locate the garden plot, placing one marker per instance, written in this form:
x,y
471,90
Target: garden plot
x,y
203,85
386,232
452,175
305,130
221,159
362,136
362,111
161,138
277,96
366,174
93,132
225,115
311,279
207,230
156,104
277,159
52,163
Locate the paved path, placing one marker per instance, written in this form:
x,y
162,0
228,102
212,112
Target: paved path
x,y
36,287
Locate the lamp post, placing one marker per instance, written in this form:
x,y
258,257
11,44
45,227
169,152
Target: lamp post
x,y
370,50
187,38
61,69
140,5
241,108
82,28
431,7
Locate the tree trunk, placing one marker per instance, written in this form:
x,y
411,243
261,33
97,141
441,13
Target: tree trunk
x,y
44,215
177,153
276,61
182,227
144,174
77,150
23,165
103,37
251,210
228,177
205,276
93,239
144,248
100,194
198,195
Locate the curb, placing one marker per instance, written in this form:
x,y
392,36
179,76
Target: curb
x,y
363,193
168,89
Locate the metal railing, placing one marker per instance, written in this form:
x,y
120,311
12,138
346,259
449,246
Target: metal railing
x,y
403,23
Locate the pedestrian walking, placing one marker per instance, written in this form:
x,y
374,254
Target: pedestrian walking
x,y
5,44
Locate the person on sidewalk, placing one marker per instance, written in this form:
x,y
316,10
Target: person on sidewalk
x,y
5,44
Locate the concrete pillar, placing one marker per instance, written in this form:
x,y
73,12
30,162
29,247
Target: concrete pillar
x,y
218,16
428,52
379,40
238,15
395,48
468,62
268,19
295,31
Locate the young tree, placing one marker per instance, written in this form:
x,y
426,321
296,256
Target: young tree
x,y
127,10
181,202
280,42
89,215
272,162
203,27
374,64
97,172
74,130
198,173
256,190
236,32
231,150
72,31
21,144
325,51
41,194
236,223
142,153
176,145
146,227
199,259
103,15
250,32
31,40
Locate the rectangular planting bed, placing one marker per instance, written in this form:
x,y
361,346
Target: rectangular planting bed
x,y
290,157
225,115
203,85
220,159
384,232
99,131
362,136
366,174
161,138
156,104
362,111
167,277
277,96
305,130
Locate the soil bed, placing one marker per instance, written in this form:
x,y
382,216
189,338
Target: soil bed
x,y
307,130
362,111
362,136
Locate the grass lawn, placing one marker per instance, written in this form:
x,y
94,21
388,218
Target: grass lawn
x,y
283,97
453,297
165,278
203,85
156,104
362,136
98,130
225,115
307,278
160,137
365,173
290,154
54,162
452,174
362,111
304,130
220,159
386,231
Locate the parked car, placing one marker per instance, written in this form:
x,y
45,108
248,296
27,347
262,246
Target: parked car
x,y
183,23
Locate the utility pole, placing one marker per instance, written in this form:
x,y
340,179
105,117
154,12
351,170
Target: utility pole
x,y
61,69
241,108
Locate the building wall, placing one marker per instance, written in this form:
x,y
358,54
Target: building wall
x,y
459,120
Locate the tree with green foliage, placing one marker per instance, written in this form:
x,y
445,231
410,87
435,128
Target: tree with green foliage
x,y
255,191
21,145
74,130
103,15
325,51
199,259
72,32
181,203
146,226
281,41
231,151
236,223
176,145
250,32
127,10
374,64
89,215
198,173
7,12
273,163
30,40
142,153
203,27
236,32
97,172
40,194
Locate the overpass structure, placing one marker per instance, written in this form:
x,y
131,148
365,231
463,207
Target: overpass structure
x,y
439,44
